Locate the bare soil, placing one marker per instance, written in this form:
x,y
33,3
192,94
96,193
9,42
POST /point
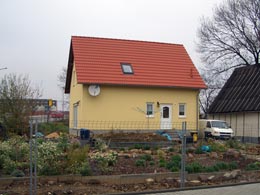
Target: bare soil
x,y
126,164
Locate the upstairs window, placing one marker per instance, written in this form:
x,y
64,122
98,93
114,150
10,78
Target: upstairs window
x,y
127,68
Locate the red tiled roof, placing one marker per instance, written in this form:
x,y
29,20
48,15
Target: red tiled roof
x,y
97,61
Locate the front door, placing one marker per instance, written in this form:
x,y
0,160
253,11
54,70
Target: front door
x,y
166,116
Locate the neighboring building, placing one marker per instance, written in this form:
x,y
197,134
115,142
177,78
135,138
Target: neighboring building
x,y
131,85
238,103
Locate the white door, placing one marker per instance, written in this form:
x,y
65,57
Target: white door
x,y
166,116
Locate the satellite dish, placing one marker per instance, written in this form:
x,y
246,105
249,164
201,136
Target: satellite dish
x,y
94,90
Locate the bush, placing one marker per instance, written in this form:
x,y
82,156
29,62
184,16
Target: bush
x,y
17,173
47,128
233,143
253,166
233,165
194,167
162,163
146,157
174,164
140,163
85,169
222,165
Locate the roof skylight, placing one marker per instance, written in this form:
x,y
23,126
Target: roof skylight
x,y
127,68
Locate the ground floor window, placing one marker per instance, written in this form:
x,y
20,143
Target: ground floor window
x,y
182,110
149,109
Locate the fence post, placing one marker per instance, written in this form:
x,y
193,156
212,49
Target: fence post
x,y
183,154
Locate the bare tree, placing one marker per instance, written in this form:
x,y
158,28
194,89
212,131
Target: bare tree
x,y
232,37
214,84
17,102
61,84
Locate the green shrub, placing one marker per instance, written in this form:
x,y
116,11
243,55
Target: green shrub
x,y
152,163
140,163
85,169
233,165
222,165
17,173
210,169
233,143
47,128
146,157
253,166
199,150
171,149
162,163
194,167
217,147
146,147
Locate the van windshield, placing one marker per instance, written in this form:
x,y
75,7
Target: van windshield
x,y
219,124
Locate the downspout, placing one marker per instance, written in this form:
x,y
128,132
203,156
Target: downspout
x,y
197,111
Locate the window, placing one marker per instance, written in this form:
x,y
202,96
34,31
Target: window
x,y
127,68
182,110
149,109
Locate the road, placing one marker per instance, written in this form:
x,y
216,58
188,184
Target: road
x,y
248,189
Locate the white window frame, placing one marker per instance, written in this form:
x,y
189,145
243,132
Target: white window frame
x,y
150,115
184,112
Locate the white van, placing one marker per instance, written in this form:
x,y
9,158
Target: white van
x,y
215,128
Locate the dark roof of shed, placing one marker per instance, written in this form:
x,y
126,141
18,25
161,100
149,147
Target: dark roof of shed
x,y
241,93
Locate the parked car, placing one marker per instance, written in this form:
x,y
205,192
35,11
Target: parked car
x,y
215,129
55,114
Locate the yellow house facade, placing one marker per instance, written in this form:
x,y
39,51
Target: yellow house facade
x,y
112,103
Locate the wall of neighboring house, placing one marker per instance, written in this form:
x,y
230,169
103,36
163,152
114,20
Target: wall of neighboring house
x,y
118,107
246,125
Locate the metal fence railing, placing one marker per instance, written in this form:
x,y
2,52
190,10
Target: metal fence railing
x,y
130,125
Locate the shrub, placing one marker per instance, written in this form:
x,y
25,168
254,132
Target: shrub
x,y
162,163
174,164
217,147
233,165
140,163
222,165
146,147
85,169
233,143
253,166
171,149
146,157
17,173
198,150
194,167
47,128
152,163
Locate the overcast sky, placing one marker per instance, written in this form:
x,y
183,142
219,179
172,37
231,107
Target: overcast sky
x,y
35,34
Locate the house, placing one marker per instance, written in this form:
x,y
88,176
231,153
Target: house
x,y
119,84
238,103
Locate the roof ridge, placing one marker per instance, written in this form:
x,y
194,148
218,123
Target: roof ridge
x,y
132,40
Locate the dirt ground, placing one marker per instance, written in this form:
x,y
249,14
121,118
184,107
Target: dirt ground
x,y
126,164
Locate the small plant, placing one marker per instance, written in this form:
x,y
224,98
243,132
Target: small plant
x,y
140,163
222,165
162,163
146,147
85,169
253,166
194,167
146,157
199,150
171,149
138,146
233,165
17,173
152,163
233,143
